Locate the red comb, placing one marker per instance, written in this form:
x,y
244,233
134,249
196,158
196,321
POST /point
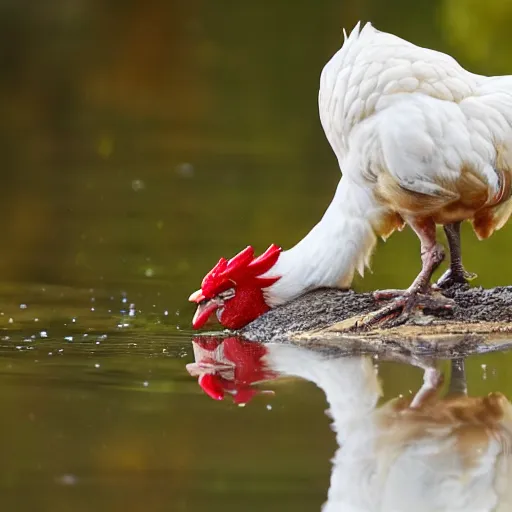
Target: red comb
x,y
241,267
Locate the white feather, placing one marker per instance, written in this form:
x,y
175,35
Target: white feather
x,y
333,250
414,114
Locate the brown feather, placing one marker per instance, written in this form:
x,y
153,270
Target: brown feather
x,y
471,421
467,198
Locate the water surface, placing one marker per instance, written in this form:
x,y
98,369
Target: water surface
x,y
140,142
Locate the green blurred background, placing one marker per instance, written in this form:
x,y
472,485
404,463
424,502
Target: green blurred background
x,y
143,140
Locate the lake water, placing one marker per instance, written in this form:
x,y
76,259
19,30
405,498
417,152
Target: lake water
x,y
141,141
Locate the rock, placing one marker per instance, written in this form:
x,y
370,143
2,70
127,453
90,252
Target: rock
x,y
480,321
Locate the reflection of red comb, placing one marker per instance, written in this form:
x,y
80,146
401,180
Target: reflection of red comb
x,y
230,366
242,267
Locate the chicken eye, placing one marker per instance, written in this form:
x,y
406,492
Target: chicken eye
x,y
228,294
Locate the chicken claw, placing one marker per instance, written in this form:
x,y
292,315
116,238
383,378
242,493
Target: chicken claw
x,y
403,306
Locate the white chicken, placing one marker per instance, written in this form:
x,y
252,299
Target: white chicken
x,y
420,141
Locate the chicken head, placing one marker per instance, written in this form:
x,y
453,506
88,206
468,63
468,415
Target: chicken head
x,y
234,289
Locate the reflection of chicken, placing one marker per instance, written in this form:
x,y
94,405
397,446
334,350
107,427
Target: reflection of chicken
x,y
420,141
446,454
231,367
423,454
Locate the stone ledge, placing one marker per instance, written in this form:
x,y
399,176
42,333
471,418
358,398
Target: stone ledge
x,y
481,321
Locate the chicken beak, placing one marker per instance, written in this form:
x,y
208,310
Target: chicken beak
x,y
197,296
205,308
203,312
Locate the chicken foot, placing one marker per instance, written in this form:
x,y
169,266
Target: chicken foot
x,y
456,273
419,295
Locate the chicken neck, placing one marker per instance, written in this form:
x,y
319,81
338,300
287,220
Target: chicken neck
x,y
329,255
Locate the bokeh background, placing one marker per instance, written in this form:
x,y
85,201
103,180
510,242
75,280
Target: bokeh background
x,y
141,141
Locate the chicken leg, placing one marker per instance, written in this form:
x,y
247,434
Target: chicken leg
x,y
433,380
456,273
419,295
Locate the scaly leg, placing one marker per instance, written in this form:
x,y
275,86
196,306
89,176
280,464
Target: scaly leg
x,y
418,295
432,377
456,273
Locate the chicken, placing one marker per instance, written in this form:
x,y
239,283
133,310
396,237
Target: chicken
x,y
426,453
420,142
